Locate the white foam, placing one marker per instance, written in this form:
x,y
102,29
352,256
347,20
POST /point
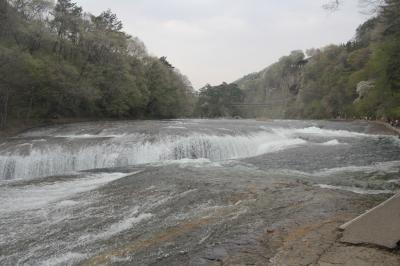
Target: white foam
x,y
175,127
39,140
316,131
183,163
225,129
69,258
355,189
385,167
67,203
61,158
24,144
124,225
118,227
329,132
278,145
381,168
115,260
333,142
131,149
39,196
89,136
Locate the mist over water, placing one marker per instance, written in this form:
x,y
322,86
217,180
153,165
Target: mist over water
x,y
143,177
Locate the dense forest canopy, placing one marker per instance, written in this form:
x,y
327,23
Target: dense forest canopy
x,y
58,61
219,101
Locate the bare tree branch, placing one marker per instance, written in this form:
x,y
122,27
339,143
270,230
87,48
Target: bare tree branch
x,y
367,7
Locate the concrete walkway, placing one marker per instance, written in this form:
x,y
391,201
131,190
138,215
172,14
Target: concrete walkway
x,y
389,126
379,226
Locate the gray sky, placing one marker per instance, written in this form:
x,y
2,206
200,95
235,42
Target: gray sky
x,y
212,41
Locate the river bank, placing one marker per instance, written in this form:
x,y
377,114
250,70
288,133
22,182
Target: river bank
x,y
312,237
396,130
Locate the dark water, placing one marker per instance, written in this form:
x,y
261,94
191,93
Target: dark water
x,y
165,192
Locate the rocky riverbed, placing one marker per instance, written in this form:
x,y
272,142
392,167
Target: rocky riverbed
x,y
202,200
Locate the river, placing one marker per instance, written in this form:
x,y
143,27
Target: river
x,y
181,192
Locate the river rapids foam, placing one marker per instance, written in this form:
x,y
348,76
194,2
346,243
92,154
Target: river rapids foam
x,y
46,158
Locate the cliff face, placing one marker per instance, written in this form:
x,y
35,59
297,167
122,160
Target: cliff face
x,y
270,92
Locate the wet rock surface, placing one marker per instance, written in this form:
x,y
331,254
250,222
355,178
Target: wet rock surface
x,y
233,221
264,210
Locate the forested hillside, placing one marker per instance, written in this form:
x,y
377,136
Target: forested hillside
x,y
219,101
58,61
360,78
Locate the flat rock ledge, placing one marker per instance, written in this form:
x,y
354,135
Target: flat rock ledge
x,y
379,226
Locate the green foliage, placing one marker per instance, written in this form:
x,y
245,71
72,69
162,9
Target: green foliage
x,y
164,100
219,101
330,83
275,87
57,61
365,32
384,68
390,15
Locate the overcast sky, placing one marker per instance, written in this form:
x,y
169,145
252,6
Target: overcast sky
x,y
212,41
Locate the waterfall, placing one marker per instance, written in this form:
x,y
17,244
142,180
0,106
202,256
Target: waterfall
x,y
50,157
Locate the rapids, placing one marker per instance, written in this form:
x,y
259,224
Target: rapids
x,y
70,148
164,192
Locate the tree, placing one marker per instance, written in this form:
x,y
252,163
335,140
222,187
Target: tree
x,y
391,16
61,62
164,60
32,9
219,101
168,91
136,48
108,21
66,21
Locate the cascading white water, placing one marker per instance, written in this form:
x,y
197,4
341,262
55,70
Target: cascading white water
x,y
38,155
58,158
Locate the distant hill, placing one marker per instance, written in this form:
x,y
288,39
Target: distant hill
x,y
360,78
275,86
